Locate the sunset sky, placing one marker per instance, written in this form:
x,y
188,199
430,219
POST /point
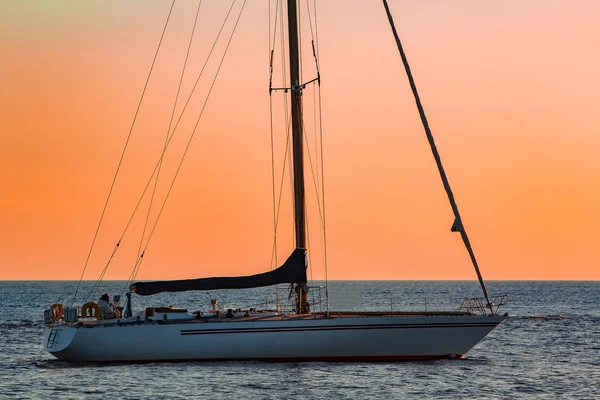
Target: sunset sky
x,y
511,89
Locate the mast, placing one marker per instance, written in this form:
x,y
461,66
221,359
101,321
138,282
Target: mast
x,y
297,142
457,226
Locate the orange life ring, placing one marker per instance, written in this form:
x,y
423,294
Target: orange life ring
x,y
93,307
58,311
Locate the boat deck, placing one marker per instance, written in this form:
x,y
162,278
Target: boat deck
x,y
332,315
270,317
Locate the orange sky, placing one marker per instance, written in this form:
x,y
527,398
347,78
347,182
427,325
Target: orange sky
x,y
511,90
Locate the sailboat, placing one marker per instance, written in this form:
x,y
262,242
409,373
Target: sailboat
x,y
169,334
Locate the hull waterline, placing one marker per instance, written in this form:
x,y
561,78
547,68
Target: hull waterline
x,y
380,338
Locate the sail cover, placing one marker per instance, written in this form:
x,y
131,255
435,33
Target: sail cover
x,y
292,271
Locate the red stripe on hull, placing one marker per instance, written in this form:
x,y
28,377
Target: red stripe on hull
x,y
297,359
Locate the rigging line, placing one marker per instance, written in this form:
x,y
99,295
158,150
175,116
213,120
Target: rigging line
x,y
193,132
160,163
457,225
271,47
314,115
158,166
321,214
318,77
309,251
317,156
101,277
282,43
285,157
287,113
313,175
137,265
322,167
323,196
128,223
271,51
174,129
316,65
272,43
315,56
310,21
194,87
123,152
316,26
291,176
273,183
200,74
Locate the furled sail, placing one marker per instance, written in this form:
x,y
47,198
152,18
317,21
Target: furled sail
x,y
292,271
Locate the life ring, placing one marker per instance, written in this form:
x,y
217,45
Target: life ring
x,y
58,311
93,307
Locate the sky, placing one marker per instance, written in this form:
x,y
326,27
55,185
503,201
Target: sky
x,y
511,90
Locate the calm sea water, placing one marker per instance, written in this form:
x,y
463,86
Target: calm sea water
x,y
523,358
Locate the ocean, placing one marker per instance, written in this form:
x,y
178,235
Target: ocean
x,y
523,358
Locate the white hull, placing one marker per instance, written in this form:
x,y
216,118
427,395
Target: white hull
x,y
351,338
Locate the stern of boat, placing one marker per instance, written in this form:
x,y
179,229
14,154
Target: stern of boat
x,y
57,339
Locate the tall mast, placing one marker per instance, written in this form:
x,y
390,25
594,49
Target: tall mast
x,y
297,142
296,100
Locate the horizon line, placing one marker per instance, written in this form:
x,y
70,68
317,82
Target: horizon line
x,y
330,280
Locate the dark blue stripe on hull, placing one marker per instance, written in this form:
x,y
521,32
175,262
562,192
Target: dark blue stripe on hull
x,y
333,328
